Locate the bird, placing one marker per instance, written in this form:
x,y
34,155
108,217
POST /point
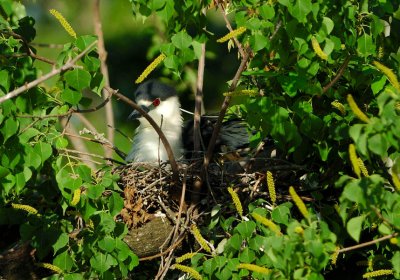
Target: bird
x,y
161,102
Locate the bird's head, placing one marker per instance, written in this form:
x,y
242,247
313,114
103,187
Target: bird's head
x,y
159,100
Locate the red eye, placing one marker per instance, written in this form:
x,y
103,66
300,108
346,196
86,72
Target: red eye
x,y
156,102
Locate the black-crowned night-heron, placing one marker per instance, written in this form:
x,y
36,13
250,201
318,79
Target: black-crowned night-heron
x,y
161,102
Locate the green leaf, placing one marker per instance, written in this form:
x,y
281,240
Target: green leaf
x,y
181,40
378,144
300,10
82,42
107,244
4,80
354,227
4,172
84,172
246,228
365,46
64,261
61,242
78,79
101,262
71,96
155,4
10,128
327,27
247,255
267,11
31,157
115,204
44,150
25,136
258,42
73,276
281,214
104,222
95,191
396,262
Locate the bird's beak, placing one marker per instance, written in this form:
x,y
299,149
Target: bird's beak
x,y
135,114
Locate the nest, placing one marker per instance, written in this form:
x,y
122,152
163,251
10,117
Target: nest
x,y
151,197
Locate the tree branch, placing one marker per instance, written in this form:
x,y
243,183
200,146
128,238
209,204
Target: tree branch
x,y
369,243
49,75
104,70
338,75
167,146
29,52
224,107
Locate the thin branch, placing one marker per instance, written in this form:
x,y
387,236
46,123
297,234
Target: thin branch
x,y
224,107
338,75
198,100
369,243
106,144
77,143
70,111
104,70
29,52
49,75
167,146
229,26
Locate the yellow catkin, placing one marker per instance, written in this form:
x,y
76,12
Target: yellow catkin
x,y
397,106
336,104
50,266
150,68
200,239
254,267
394,241
76,197
299,203
271,186
65,24
232,34
299,230
354,160
243,92
381,52
25,208
377,273
388,73
334,256
266,222
363,169
185,257
396,181
192,272
356,110
317,49
236,201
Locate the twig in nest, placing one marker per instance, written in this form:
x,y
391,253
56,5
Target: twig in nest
x,y
167,146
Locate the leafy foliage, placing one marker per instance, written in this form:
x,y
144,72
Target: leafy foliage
x,y
81,236
306,58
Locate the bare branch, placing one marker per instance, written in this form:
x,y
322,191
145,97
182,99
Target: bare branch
x,y
198,100
77,143
167,146
369,243
104,70
229,26
29,52
49,75
224,107
338,75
